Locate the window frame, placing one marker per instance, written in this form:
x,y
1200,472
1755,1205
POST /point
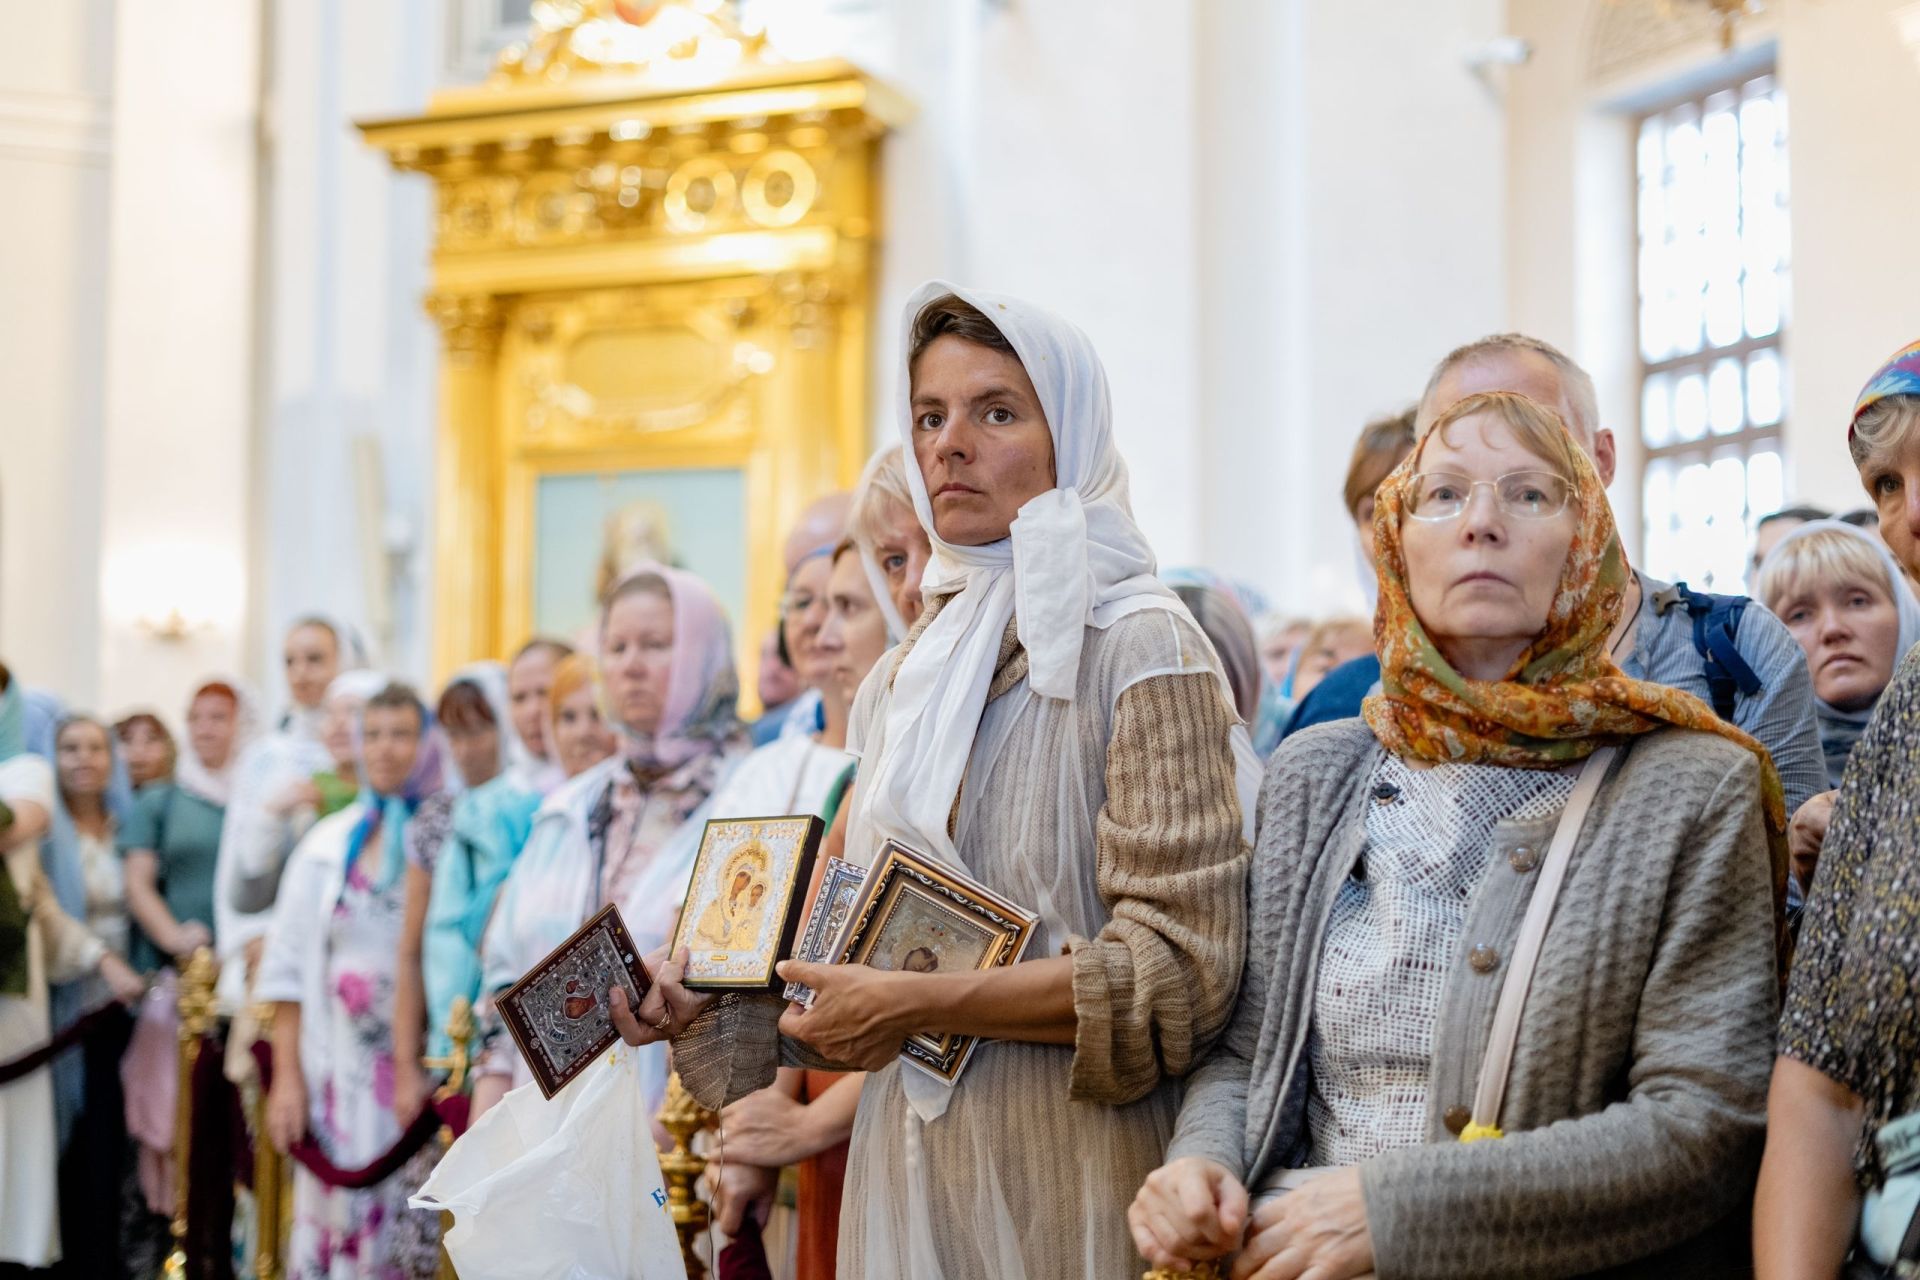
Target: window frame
x,y
1750,439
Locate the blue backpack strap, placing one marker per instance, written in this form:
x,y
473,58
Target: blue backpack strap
x,y
1716,625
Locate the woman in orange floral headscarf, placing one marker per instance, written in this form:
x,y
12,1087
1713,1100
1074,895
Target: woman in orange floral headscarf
x,y
1330,1130
1564,695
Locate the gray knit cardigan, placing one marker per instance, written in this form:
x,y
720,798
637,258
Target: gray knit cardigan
x,y
1636,1103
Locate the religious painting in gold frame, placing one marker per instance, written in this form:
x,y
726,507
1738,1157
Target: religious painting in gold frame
x,y
652,270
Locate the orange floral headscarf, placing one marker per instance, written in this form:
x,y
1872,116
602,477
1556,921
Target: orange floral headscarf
x,y
1565,696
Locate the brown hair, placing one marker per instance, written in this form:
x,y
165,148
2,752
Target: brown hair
x,y
556,649
841,548
1382,443
644,583
463,707
125,725
398,695
950,314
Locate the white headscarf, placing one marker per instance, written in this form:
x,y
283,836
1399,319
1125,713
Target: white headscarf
x,y
1075,559
351,655
876,576
191,774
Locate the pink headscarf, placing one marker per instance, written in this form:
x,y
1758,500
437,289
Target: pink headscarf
x,y
701,716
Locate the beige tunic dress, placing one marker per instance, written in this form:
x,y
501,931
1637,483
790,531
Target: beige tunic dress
x,y
1137,868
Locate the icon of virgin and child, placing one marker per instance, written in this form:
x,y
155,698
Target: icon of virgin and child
x,y
736,917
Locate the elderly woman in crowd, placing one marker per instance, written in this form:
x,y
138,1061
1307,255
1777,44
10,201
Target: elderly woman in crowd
x,y
39,944
1399,856
1057,727
529,683
1841,593
893,547
576,732
328,969
1844,1112
460,849
625,831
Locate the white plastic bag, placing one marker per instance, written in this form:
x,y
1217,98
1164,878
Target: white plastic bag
x,y
567,1188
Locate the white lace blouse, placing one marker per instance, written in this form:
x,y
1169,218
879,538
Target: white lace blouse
x,y
1393,933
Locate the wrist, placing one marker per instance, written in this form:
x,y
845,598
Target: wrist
x,y
908,1003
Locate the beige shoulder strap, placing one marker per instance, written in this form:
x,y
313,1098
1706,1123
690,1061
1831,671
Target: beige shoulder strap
x,y
1492,1092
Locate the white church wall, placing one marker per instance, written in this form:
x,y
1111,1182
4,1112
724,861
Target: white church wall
x,y
55,116
1352,195
179,348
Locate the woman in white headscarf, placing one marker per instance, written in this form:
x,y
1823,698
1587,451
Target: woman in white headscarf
x,y
625,831
1057,727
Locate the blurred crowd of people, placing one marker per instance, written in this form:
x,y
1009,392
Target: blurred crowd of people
x,y
368,854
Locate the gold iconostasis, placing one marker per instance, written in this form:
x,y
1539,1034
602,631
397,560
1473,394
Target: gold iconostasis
x,y
652,269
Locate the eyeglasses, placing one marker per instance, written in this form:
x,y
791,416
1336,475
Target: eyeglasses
x,y
1524,495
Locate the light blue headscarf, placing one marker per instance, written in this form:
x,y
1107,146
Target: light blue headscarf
x,y
389,813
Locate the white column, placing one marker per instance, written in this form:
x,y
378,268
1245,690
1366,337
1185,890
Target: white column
x,y
354,356
54,140
174,474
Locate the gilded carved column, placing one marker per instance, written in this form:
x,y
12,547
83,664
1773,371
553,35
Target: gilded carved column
x,y
466,527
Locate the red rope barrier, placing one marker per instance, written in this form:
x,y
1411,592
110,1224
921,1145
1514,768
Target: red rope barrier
x,y
452,1112
71,1034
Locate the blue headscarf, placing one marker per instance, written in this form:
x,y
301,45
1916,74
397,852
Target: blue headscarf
x,y
389,813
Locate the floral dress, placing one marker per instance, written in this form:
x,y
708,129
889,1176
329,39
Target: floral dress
x,y
359,1235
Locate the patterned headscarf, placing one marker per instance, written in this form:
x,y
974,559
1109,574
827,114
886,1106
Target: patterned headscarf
x,y
1899,376
701,716
1565,696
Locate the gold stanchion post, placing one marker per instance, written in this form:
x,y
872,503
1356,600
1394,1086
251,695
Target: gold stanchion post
x,y
460,1029
682,1117
270,1199
195,1007
1205,1271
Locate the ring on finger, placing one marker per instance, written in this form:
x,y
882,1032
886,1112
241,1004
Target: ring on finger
x,y
665,1025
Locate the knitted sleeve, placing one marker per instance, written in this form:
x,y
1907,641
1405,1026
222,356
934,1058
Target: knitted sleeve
x,y
1154,988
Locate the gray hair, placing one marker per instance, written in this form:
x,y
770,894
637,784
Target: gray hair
x,y
1575,383
1882,428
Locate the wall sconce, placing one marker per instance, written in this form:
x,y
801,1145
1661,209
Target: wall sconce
x,y
173,625
172,592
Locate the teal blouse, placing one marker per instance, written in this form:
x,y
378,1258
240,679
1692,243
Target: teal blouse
x,y
183,831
